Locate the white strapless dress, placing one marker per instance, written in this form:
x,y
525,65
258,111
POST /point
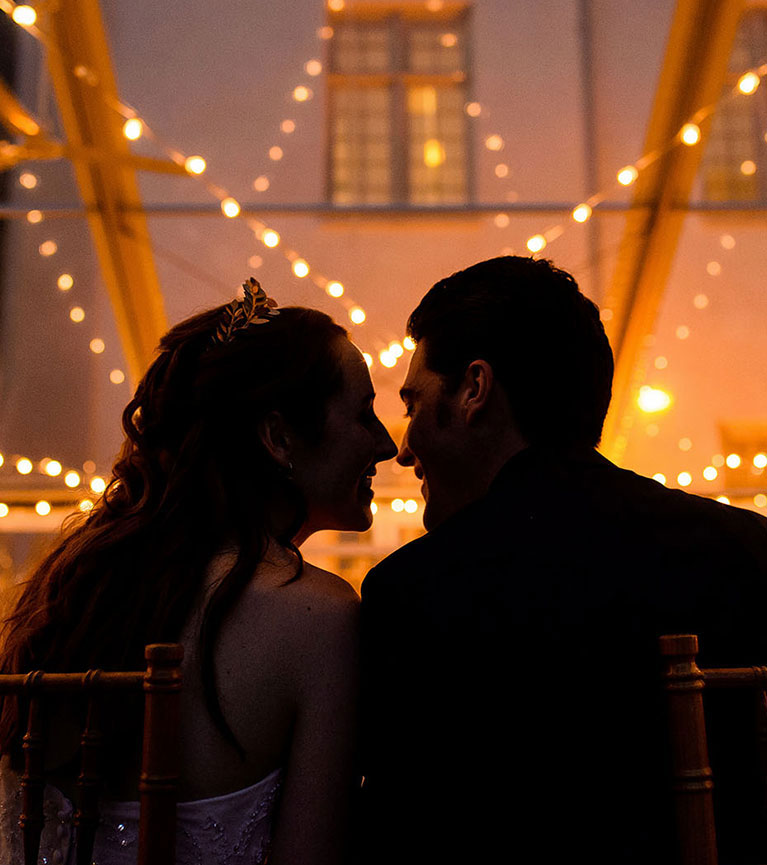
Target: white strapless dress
x,y
235,828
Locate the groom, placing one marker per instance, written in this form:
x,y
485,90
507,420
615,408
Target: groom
x,y
513,709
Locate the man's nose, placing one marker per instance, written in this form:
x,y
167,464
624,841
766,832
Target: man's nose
x,y
405,457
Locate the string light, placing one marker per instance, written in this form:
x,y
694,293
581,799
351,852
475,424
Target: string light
x,y
43,508
72,479
195,164
24,16
133,129
24,466
582,213
690,134
270,238
387,358
261,183
34,217
48,248
626,176
98,485
65,282
300,268
97,345
117,376
408,343
748,82
536,243
357,315
230,207
302,93
77,314
4,509
334,289
276,153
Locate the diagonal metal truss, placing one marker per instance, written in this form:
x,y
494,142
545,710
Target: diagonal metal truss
x,y
692,77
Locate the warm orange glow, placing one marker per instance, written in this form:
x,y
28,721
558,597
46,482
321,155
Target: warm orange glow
x,y
536,243
627,175
387,358
368,358
357,315
24,16
723,499
748,83
276,153
97,345
230,207
98,485
334,289
65,281
133,129
760,500
473,109
53,468
501,170
494,142
288,126
684,479
117,376
261,183
396,349
23,466
398,506
682,332
302,93
700,301
433,153
660,478
411,506
313,67
582,213
77,314
733,461
270,238
690,134
4,510
300,268
710,473
28,180
43,508
653,399
86,505
195,164
34,217
408,343
72,479
48,248
748,167
760,461
448,40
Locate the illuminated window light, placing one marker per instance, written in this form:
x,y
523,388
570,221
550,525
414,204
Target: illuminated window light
x,y
653,399
300,268
97,345
748,167
760,500
117,376
502,170
433,153
65,282
501,220
473,109
133,129
690,134
398,506
685,444
4,510
325,32
334,289
435,5
72,479
684,479
748,83
368,359
302,93
710,473
660,478
682,332
270,238
313,67
261,183
43,508
536,243
77,314
23,466
288,127
335,5
53,468
34,217
733,461
411,506
582,213
86,505
28,180
396,349
760,461
195,164
723,499
373,508
626,176
448,40
660,362
357,315
24,16
494,142
48,248
98,485
387,358
700,301
230,207
276,153
409,343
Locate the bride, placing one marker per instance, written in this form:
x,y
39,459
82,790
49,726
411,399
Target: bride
x,y
252,429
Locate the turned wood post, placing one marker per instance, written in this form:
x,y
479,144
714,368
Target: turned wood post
x,y
693,784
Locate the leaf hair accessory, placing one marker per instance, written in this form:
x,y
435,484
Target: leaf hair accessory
x,y
254,308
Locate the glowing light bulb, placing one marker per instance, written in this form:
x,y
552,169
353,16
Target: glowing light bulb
x,y
4,510
760,461
387,358
373,508
626,176
97,345
653,399
23,466
733,461
501,170
195,164
334,289
98,485
77,314
411,506
117,376
710,473
302,93
313,67
660,478
133,129
24,16
86,505
357,315
582,213
448,40
53,468
684,479
34,217
748,83
536,243
276,153
368,359
300,268
473,109
748,167
494,142
230,207
48,248
396,349
72,479
690,134
28,180
288,127
270,238
261,183
713,268
398,506
335,5
65,282
43,508
408,343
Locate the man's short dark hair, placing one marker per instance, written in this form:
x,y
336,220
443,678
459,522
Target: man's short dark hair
x,y
542,336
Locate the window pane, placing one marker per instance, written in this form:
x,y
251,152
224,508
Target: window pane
x,y
436,50
360,48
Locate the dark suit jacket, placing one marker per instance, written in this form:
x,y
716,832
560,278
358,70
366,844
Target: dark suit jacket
x,y
512,699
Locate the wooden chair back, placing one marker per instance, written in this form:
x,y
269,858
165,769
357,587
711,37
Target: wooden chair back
x,y
158,782
693,780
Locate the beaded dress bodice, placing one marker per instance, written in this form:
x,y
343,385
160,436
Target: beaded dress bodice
x,y
235,828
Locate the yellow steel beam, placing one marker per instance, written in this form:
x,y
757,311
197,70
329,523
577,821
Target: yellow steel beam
x,y
84,83
692,77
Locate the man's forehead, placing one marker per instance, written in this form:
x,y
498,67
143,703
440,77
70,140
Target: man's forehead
x,y
418,374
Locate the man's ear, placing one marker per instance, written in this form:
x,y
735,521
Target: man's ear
x,y
476,388
275,437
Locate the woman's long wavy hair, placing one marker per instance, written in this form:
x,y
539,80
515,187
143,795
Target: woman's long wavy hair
x,y
192,478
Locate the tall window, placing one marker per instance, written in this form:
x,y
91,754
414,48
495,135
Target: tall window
x,y
398,87
735,162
